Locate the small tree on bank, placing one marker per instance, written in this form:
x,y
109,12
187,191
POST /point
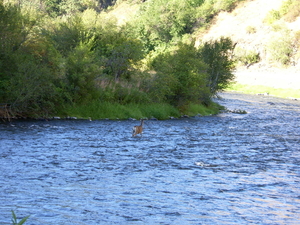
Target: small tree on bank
x,y
218,56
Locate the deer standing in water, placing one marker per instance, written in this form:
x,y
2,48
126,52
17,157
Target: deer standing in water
x,y
138,129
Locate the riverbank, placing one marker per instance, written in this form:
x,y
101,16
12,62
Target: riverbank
x,y
160,111
113,111
277,82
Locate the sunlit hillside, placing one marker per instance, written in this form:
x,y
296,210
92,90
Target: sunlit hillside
x,y
250,26
267,37
253,25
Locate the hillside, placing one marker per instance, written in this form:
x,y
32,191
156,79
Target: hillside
x,y
251,14
248,15
58,58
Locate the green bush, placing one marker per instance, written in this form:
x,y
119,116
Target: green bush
x,y
272,16
80,55
209,8
159,111
221,5
103,110
246,57
81,70
250,30
160,21
218,56
181,76
289,10
196,109
280,48
279,26
30,89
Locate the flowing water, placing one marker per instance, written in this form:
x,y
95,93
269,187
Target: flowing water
x,y
224,169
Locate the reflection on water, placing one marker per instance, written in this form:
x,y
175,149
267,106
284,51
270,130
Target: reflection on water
x,y
225,169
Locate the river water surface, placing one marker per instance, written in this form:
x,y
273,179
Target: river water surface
x,y
224,169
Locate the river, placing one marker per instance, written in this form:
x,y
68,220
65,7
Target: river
x,y
224,169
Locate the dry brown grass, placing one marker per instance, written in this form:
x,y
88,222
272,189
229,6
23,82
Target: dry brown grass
x,y
293,12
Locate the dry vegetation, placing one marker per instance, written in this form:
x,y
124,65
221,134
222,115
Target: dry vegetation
x,y
267,33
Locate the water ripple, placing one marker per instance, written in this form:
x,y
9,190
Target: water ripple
x,y
225,169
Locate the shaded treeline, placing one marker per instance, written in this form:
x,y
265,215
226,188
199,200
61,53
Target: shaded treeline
x,y
58,54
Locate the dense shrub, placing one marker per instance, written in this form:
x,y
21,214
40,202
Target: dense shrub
x,y
56,55
181,76
246,57
81,70
280,48
272,16
217,55
160,21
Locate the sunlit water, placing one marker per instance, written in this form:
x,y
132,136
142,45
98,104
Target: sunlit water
x,y
224,169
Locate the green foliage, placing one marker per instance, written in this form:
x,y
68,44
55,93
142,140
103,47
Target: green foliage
x,y
163,21
77,55
218,56
14,33
181,76
209,8
69,33
15,220
221,5
121,57
25,80
280,48
289,10
52,7
272,16
160,21
30,89
279,27
81,72
161,111
110,110
297,44
123,93
203,110
251,30
67,8
246,57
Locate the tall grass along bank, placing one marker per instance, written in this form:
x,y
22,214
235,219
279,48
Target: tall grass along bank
x,y
161,111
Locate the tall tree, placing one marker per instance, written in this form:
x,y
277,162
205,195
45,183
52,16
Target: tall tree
x,y
217,55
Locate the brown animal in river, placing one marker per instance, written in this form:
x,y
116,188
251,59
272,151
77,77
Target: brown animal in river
x,y
138,129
